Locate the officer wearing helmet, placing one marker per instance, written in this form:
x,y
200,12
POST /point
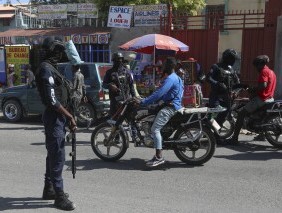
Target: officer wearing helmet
x,y
264,93
222,79
119,81
55,118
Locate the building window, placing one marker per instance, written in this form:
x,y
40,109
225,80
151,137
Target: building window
x,y
6,22
94,52
215,16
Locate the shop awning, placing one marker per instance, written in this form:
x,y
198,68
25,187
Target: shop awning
x,y
52,32
7,15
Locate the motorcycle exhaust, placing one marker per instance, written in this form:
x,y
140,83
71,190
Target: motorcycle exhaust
x,y
187,141
267,127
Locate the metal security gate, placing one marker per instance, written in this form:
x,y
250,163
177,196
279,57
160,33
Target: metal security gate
x,y
203,46
201,33
252,45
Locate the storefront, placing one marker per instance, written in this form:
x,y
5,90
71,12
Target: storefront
x,y
93,46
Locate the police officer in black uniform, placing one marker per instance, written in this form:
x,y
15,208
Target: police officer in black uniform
x,y
119,81
222,79
55,118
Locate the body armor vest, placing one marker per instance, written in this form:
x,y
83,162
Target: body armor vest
x,y
62,86
122,79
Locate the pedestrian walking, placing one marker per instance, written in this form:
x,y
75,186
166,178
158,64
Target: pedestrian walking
x,y
29,75
11,75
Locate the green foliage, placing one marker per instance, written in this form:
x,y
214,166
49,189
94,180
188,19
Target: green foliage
x,y
186,6
182,6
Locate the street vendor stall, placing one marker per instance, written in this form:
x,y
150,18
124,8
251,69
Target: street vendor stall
x,y
153,44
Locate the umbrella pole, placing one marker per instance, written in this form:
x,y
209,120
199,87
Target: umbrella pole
x,y
154,68
154,57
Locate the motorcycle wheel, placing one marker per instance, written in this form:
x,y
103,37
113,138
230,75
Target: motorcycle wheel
x,y
201,155
274,137
227,128
114,150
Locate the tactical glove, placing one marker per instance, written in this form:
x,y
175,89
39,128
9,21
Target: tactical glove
x,y
222,86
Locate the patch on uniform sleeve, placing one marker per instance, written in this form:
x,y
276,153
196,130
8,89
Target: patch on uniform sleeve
x,y
53,95
51,80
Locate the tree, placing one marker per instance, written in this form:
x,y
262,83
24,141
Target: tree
x,y
182,6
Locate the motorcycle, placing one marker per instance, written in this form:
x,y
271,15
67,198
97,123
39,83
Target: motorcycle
x,y
267,120
226,130
188,133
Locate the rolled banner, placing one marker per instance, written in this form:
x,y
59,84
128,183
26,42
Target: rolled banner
x,y
72,53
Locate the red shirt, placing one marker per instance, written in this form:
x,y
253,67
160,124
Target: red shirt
x,y
268,76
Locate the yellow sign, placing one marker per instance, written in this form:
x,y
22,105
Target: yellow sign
x,y
19,57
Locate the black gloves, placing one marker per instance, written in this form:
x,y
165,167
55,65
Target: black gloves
x,y
222,86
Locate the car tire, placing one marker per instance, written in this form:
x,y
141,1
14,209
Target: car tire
x,y
87,111
12,111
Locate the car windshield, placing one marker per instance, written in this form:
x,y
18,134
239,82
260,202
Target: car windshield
x,y
103,69
85,70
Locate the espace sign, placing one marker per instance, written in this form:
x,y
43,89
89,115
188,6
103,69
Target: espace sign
x,y
120,16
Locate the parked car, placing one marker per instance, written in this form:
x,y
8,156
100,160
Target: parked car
x,y
23,100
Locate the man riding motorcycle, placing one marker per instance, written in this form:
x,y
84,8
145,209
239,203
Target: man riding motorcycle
x,y
264,93
171,93
222,82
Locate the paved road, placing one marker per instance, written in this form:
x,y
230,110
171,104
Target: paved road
x,y
236,179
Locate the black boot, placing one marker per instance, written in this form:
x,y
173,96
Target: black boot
x,y
62,202
238,125
48,192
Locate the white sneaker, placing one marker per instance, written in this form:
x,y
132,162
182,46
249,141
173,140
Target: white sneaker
x,y
155,161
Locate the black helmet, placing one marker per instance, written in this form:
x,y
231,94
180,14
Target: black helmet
x,y
261,60
116,56
229,56
50,44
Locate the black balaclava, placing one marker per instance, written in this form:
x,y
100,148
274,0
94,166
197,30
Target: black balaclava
x,y
54,50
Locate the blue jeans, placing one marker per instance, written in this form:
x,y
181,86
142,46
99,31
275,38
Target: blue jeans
x,y
163,116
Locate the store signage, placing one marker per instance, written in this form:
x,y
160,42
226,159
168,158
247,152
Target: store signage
x,y
87,11
149,15
120,16
19,56
54,11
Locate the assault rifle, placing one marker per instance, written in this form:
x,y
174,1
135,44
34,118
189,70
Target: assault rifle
x,y
73,153
72,134
121,85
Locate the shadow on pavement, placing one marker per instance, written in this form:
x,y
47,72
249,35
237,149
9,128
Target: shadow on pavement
x,y
132,164
78,143
23,128
9,203
252,151
30,120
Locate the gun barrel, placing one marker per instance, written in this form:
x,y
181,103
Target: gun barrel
x,y
73,155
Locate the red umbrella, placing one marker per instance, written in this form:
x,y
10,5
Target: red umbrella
x,y
151,42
